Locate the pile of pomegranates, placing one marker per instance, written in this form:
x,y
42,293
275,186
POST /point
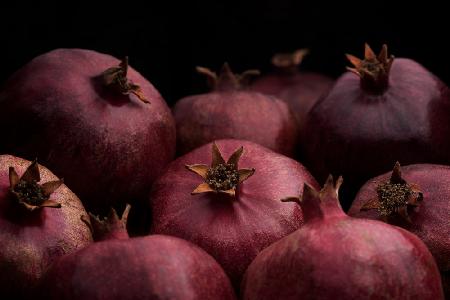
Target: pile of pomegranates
x,y
234,214
382,110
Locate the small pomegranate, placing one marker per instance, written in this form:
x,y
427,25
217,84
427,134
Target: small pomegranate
x,y
39,222
230,208
93,120
334,256
300,90
381,110
151,267
416,198
231,111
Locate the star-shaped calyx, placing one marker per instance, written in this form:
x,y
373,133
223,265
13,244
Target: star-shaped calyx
x,y
116,77
227,80
373,70
221,176
394,197
28,192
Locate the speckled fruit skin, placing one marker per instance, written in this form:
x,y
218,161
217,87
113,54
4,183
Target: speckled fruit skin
x,y
233,231
358,135
431,221
31,241
151,267
235,114
338,257
108,147
299,90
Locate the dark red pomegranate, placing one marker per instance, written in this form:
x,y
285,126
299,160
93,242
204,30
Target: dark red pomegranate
x,y
300,90
416,198
80,113
231,219
39,222
383,110
151,267
334,256
231,111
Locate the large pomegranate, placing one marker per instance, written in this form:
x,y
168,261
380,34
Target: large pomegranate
x,y
231,111
80,113
416,198
151,267
40,221
300,89
334,256
382,110
230,208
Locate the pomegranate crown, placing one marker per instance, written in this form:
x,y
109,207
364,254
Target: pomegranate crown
x,y
319,204
373,70
116,78
28,192
220,176
111,226
227,80
395,197
289,61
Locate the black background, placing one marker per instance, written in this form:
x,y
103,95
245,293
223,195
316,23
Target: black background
x,y
165,41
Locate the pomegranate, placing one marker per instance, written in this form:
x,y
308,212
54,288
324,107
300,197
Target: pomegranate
x,y
39,222
151,267
334,256
300,90
381,110
231,219
232,112
416,198
83,114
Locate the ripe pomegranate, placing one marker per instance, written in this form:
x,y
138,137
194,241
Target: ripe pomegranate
x,y
416,198
151,267
300,90
231,219
232,112
334,256
382,110
39,222
80,112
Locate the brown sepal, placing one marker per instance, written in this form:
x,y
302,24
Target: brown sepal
x,y
413,200
226,79
217,160
371,204
117,77
373,70
32,176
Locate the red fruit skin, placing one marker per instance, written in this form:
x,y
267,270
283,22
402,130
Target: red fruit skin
x,y
232,231
31,241
431,221
300,90
235,114
152,267
334,256
108,147
344,259
358,135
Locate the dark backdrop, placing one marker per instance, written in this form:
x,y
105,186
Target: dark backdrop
x,y
165,41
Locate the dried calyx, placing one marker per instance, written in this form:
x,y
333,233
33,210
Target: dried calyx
x,y
320,204
394,197
373,70
116,78
28,192
111,226
289,62
221,176
227,80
